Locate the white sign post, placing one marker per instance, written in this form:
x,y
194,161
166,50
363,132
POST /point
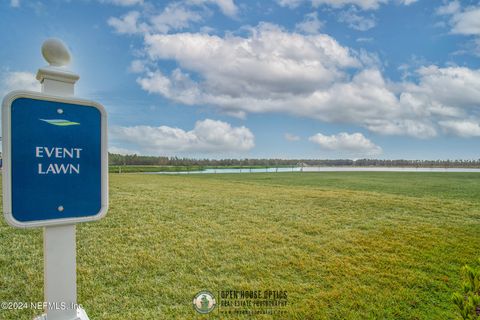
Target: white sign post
x,y
55,172
59,245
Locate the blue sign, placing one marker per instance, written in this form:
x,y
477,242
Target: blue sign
x,y
55,155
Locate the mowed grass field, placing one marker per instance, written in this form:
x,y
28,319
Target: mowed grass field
x,y
343,245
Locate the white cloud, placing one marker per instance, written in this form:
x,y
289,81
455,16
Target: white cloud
x,y
270,62
290,3
124,3
467,22
310,24
227,7
18,80
127,24
363,98
175,16
354,143
310,75
362,4
463,128
464,21
407,2
272,70
450,8
448,90
355,21
369,60
207,136
422,129
15,3
291,137
137,66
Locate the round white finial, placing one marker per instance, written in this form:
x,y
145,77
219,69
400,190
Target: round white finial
x,y
55,52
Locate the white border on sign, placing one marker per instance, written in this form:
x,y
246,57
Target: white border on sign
x,y
7,165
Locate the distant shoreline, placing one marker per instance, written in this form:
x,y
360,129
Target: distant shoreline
x,y
318,169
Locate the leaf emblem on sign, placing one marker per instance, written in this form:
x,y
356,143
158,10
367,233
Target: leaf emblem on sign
x,y
60,122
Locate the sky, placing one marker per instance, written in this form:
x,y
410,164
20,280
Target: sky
x,y
315,79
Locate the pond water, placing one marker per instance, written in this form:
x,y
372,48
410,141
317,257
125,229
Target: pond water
x,y
322,169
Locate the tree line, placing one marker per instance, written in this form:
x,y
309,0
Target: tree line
x,y
119,160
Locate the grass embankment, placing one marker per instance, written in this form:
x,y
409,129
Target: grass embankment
x,y
343,245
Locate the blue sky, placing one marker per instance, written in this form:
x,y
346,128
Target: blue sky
x,y
284,78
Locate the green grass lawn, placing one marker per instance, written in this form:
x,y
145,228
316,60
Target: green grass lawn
x,y
343,245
